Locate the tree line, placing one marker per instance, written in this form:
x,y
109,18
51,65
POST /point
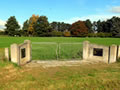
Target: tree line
x,y
38,26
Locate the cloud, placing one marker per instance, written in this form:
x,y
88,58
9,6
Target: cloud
x,y
115,9
91,17
2,24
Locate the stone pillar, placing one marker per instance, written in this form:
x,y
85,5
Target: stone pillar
x,y
113,54
85,50
28,54
7,54
14,53
118,56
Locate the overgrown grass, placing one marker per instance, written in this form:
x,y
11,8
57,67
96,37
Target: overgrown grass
x,y
83,77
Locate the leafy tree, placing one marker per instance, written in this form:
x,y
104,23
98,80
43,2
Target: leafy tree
x,y
54,26
110,26
25,28
99,26
32,22
67,34
79,29
94,27
115,26
60,26
12,26
55,33
89,25
42,27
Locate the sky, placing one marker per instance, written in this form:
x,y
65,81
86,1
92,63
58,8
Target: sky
x,y
68,11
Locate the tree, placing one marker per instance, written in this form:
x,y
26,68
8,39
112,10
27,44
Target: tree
x,y
12,26
60,26
99,26
115,26
89,25
79,29
32,22
42,27
110,26
25,28
54,26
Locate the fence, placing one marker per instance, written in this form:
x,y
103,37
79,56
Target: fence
x,y
53,51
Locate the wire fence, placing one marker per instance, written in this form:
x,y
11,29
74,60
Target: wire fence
x,y
56,51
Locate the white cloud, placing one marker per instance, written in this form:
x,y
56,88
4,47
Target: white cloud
x,y
2,24
91,17
115,9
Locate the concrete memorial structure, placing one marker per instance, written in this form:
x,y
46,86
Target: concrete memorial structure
x,y
21,54
7,54
107,54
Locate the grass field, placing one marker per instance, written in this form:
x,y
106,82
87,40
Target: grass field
x,y
48,51
83,77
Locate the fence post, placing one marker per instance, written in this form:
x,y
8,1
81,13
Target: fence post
x,y
113,53
7,54
85,49
29,56
118,56
14,53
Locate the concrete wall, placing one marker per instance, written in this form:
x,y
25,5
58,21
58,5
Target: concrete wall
x,y
16,54
109,53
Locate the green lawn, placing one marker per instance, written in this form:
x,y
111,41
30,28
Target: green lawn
x,y
2,54
48,51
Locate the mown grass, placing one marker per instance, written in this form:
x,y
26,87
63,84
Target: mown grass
x,y
48,51
83,77
2,56
7,41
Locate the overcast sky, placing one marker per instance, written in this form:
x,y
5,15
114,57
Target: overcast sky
x,y
67,11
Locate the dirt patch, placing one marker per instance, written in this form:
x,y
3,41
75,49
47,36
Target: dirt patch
x,y
47,64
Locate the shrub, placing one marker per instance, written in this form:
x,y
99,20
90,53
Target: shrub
x,y
67,34
56,33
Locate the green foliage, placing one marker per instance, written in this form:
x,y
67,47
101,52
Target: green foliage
x,y
25,28
60,26
67,34
12,26
118,60
100,34
56,33
79,29
42,27
110,26
89,26
2,32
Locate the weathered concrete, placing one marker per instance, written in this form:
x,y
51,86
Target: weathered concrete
x,y
18,51
85,49
47,64
105,49
14,53
7,54
118,57
109,54
113,54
